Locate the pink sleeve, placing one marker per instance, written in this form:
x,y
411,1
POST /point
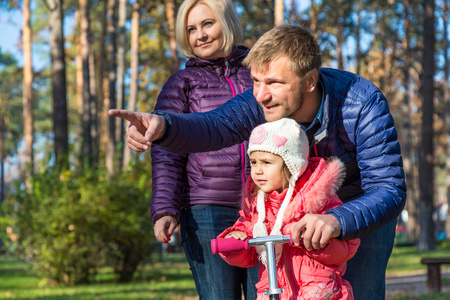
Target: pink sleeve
x,y
336,252
243,258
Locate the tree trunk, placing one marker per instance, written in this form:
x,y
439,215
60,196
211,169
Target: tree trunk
x,y
412,229
279,12
313,19
28,115
134,70
339,38
102,84
86,108
121,44
93,108
2,150
358,39
79,79
170,14
79,89
112,51
426,149
59,93
447,102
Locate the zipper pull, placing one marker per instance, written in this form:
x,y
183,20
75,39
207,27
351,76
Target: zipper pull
x,y
226,67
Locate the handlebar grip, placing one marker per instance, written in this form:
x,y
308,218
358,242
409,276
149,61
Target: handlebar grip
x,y
228,245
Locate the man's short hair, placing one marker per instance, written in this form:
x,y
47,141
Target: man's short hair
x,y
225,14
291,41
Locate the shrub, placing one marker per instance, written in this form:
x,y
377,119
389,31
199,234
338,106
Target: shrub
x,y
72,223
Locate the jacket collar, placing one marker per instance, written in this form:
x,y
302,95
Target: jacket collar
x,y
236,56
324,182
328,98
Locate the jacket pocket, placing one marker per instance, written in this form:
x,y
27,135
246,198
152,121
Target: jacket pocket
x,y
318,284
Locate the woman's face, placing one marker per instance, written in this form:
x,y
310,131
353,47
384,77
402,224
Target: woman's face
x,y
204,32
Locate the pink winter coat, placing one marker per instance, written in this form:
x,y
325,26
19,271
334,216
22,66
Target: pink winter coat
x,y
302,274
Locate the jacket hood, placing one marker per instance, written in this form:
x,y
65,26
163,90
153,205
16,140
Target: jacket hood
x,y
325,180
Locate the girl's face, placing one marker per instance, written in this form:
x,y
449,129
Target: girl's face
x,y
204,32
267,171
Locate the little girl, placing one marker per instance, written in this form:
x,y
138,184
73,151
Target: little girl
x,y
283,187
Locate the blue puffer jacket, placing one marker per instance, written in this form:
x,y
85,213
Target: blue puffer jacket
x,y
217,177
356,127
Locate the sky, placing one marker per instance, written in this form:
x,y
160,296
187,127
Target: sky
x,y
10,36
10,33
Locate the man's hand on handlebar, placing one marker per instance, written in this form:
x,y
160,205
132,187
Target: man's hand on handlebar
x,y
315,230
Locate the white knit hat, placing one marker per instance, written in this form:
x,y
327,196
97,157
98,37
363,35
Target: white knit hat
x,y
286,139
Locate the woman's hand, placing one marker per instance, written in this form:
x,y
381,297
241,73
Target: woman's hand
x,y
164,228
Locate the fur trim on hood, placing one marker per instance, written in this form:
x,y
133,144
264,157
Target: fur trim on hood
x,y
324,182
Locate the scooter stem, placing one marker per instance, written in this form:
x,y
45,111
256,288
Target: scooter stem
x,y
227,245
271,270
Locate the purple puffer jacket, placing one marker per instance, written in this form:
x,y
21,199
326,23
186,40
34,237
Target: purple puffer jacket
x,y
213,178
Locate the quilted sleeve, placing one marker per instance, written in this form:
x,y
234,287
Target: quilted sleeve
x,y
382,176
168,167
225,126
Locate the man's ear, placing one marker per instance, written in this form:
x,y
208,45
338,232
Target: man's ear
x,y
310,81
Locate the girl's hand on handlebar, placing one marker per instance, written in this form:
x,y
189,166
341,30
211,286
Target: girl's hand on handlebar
x,y
238,235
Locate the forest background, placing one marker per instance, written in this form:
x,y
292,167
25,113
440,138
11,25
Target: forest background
x,y
74,197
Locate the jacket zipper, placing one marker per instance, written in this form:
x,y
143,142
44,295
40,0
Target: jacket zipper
x,y
233,90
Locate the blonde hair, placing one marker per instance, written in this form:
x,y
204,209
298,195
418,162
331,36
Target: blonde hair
x,y
226,15
286,175
291,41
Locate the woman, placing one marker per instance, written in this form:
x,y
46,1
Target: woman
x,y
202,191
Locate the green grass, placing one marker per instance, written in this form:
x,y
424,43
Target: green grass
x,y
170,279
406,259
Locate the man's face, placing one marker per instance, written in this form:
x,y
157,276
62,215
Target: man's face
x,y
278,90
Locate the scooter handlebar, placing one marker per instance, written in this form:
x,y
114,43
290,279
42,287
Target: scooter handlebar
x,y
228,245
231,244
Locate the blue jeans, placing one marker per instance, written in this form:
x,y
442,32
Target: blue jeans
x,y
366,271
214,278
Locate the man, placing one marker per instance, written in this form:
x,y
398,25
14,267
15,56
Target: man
x,y
344,115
